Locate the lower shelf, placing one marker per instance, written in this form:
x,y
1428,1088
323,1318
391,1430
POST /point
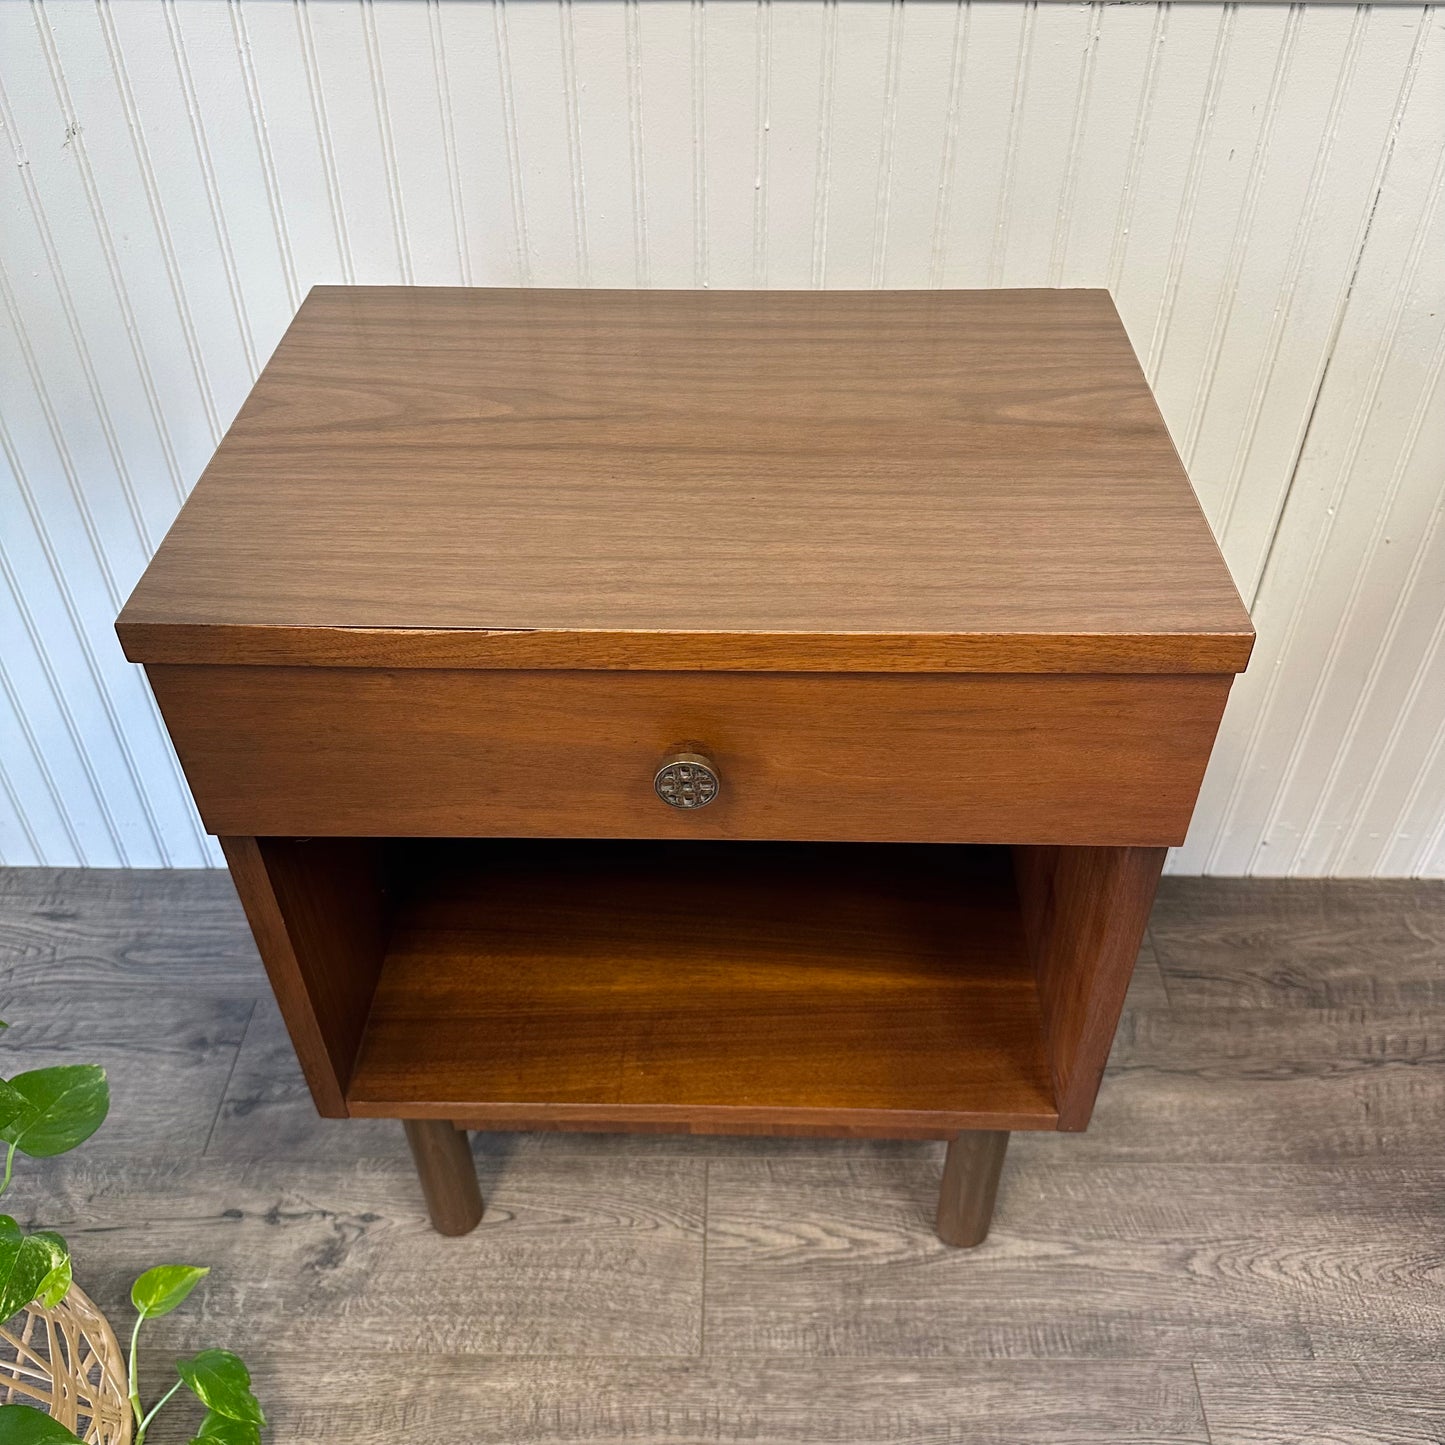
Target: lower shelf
x,y
730,987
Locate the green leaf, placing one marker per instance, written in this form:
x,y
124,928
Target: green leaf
x,y
64,1106
28,1264
223,1384
158,1291
218,1430
25,1425
56,1285
12,1102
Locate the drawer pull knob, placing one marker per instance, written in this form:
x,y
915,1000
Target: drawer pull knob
x,y
687,780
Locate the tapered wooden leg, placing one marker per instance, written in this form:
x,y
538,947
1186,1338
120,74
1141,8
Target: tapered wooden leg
x,y
970,1184
448,1175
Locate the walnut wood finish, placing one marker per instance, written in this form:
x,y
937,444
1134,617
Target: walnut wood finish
x,y
1015,759
971,1170
704,986
1084,913
914,569
448,1176
317,909
481,648
731,1127
972,480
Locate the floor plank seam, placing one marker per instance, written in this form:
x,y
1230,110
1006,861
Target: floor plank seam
x,y
1199,1395
702,1285
230,1075
1158,965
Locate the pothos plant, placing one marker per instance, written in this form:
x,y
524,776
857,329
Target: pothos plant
x,y
45,1112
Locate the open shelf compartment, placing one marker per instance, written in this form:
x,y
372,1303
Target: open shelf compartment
x,y
706,985
892,989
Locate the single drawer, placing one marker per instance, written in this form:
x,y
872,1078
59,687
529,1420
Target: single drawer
x,y
1015,758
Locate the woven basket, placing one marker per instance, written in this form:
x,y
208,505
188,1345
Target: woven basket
x,y
67,1362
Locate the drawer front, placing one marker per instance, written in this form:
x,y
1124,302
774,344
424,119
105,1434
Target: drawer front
x,y
938,758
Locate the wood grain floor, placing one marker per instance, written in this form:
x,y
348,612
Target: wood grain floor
x,y
1246,1248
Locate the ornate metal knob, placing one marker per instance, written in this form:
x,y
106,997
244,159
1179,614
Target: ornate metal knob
x,y
687,780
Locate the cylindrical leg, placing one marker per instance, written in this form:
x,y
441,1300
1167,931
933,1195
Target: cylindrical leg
x,y
970,1184
448,1176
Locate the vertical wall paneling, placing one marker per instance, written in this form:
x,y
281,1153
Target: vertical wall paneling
x,y
601,121
1337,717
797,97
726,98
1260,186
1351,600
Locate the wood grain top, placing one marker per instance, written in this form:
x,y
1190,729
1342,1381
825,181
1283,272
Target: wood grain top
x,y
896,481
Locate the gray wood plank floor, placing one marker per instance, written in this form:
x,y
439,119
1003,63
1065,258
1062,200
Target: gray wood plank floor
x,y
1246,1248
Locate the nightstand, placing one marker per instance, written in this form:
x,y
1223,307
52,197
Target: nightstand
x,y
696,711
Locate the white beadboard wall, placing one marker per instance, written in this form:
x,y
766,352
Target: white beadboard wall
x,y
1259,185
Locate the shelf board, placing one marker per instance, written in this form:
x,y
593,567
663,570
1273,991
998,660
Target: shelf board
x,y
748,986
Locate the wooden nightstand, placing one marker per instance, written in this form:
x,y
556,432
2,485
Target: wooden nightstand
x,y
696,711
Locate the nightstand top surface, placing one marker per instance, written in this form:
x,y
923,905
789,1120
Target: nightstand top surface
x,y
929,481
